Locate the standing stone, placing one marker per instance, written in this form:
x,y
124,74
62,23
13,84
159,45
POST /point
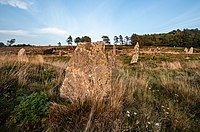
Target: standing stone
x,y
186,50
157,49
191,50
88,73
150,50
136,54
22,55
60,53
136,48
40,59
134,58
114,50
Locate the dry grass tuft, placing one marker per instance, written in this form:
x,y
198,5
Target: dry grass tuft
x,y
173,65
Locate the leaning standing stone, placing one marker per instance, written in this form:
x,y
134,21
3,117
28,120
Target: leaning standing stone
x,y
186,50
22,55
134,58
88,74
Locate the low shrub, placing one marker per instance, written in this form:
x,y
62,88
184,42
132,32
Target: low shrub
x,y
48,51
31,113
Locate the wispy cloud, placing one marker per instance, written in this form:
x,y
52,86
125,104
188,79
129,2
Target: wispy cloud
x,y
184,20
14,32
52,30
16,3
49,30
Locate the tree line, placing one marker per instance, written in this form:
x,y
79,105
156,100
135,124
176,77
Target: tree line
x,y
184,38
76,40
117,40
9,42
178,38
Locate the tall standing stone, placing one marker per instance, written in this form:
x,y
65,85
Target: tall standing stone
x,y
191,50
88,73
136,54
136,48
114,50
22,55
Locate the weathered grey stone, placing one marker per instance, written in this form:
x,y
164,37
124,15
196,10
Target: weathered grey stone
x,y
60,53
150,50
191,50
22,55
114,50
157,50
136,48
40,59
88,73
135,57
186,50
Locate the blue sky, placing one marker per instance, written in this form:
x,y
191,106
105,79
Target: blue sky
x,y
44,22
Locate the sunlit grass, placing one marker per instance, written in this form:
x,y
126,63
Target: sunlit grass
x,y
148,96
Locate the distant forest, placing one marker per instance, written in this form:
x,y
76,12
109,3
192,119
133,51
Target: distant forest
x,y
179,38
185,38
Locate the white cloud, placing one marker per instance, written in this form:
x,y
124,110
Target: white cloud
x,y
54,31
51,30
14,32
15,3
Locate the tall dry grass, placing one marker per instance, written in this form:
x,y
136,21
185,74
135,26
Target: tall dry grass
x,y
142,98
100,115
35,74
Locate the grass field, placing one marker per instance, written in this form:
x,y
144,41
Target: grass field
x,y
159,93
